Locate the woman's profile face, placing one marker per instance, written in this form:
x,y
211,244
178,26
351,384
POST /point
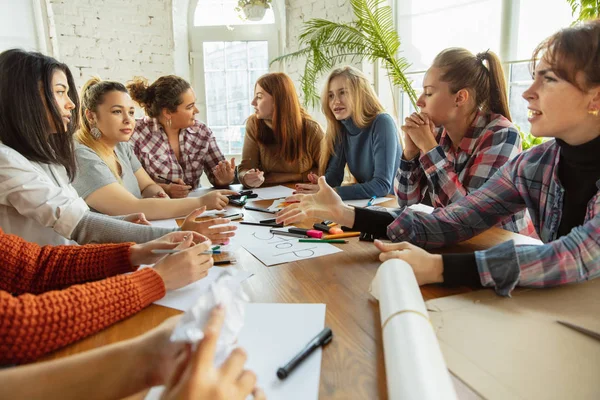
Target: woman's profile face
x,y
559,109
60,92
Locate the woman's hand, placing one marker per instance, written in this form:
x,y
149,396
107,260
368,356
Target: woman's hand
x,y
187,266
254,178
224,172
428,268
216,200
140,254
178,190
160,355
196,377
217,234
420,129
410,149
313,178
306,188
161,195
137,218
326,204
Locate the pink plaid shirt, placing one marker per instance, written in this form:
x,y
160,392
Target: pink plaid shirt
x,y
197,145
446,174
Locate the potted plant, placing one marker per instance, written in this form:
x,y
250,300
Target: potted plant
x,y
584,9
253,10
370,36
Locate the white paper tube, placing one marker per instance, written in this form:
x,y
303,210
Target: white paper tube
x,y
414,365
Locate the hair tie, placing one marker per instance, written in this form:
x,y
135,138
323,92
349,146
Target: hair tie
x,y
482,56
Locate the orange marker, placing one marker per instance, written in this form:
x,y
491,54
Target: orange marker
x,y
342,235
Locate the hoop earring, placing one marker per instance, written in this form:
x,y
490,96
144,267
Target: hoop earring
x,y
96,133
593,112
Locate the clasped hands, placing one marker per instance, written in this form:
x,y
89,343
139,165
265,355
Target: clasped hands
x,y
419,135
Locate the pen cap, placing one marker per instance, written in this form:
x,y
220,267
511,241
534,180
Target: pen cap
x,y
314,234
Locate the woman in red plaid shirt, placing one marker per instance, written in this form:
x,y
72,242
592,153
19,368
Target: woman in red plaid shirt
x,y
173,147
462,135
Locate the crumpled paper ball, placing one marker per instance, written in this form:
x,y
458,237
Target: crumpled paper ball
x,y
227,293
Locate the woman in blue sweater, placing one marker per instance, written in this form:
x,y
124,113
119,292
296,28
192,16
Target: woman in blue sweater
x,y
360,134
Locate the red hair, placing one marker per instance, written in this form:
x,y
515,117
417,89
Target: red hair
x,y
289,118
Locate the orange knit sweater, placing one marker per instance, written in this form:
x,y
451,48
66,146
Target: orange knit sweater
x,y
39,309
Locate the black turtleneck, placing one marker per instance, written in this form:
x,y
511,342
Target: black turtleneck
x,y
578,172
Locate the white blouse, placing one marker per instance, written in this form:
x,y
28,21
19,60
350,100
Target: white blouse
x,y
37,202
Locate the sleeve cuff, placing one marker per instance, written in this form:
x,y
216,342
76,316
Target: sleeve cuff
x,y
70,217
432,160
461,270
371,221
499,267
149,284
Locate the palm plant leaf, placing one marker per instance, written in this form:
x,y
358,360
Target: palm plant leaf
x,y
370,36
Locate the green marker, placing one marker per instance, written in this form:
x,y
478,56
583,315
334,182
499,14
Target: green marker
x,y
323,241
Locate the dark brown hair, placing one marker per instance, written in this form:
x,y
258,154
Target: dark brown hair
x,y
572,50
165,92
289,118
463,70
25,109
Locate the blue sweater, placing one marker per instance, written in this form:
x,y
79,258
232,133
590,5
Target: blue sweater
x,y
372,154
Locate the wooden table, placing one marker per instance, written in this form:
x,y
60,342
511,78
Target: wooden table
x,y
353,363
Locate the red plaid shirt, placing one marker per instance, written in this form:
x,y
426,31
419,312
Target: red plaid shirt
x,y
447,175
197,145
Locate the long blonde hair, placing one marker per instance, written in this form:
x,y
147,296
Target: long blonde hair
x,y
92,95
363,102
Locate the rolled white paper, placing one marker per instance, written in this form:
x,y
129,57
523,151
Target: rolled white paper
x,y
414,365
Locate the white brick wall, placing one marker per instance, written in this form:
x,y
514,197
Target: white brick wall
x,y
299,11
118,40
114,39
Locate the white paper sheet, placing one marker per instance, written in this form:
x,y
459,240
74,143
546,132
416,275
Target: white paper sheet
x,y
414,364
274,192
363,202
185,297
273,249
422,208
164,223
272,335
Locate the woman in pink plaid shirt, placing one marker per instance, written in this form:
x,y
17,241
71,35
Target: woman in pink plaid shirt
x,y
173,147
462,135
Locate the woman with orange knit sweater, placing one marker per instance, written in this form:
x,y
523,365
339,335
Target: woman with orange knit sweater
x,y
45,302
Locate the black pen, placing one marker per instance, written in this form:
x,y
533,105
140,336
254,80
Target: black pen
x,y
287,233
320,340
260,209
259,224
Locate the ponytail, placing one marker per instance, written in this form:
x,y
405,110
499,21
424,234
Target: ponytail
x,y
463,70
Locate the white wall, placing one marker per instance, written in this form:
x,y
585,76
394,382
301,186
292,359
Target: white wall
x,y
115,39
299,11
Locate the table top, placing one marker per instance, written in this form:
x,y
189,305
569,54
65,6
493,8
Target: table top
x,y
353,364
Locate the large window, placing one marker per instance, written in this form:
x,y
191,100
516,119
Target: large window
x,y
230,71
510,28
228,55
